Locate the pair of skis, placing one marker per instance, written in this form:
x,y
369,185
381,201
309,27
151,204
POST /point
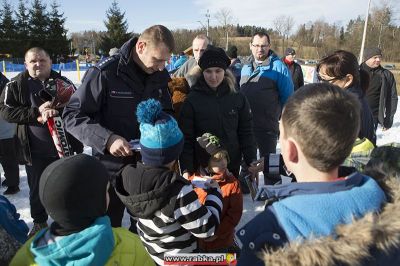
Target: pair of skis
x,y
58,91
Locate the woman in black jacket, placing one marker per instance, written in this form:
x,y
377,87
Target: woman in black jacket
x,y
341,68
215,106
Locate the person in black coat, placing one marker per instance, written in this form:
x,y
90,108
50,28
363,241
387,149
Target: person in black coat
x,y
294,68
214,106
341,68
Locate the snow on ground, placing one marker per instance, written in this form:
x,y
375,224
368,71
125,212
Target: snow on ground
x,y
250,208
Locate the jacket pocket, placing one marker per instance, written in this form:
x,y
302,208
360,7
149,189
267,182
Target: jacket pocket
x,y
121,103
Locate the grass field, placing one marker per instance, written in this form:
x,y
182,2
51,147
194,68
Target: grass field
x,y
397,77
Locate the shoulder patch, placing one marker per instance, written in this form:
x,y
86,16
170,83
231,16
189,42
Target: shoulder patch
x,y
106,62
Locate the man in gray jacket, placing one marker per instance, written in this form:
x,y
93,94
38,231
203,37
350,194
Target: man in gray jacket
x,y
8,158
199,45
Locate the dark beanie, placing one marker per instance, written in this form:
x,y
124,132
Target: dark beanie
x,y
290,51
371,52
73,192
232,51
161,140
214,57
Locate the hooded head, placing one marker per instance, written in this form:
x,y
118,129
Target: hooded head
x,y
73,192
161,140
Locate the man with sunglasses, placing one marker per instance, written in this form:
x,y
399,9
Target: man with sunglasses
x,y
381,93
267,84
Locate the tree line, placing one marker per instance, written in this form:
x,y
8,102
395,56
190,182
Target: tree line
x,y
35,25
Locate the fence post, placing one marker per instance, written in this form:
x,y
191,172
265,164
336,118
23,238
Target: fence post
x,y
4,67
77,69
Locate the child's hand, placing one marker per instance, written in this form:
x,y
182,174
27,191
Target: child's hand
x,y
211,238
257,166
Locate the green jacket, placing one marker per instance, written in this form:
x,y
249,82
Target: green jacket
x,y
128,250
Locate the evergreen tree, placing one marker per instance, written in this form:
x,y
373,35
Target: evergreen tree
x,y
57,34
38,23
117,28
7,29
22,29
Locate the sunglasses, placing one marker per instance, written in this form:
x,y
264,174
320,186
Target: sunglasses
x,y
321,79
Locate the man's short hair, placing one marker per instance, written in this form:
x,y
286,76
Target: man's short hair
x,y
261,34
37,50
325,121
159,34
202,37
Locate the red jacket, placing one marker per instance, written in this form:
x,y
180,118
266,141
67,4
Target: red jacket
x,y
232,200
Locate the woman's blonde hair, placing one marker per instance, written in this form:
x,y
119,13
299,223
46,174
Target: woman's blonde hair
x,y
196,73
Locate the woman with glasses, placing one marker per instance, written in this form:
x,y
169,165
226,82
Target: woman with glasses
x,y
341,68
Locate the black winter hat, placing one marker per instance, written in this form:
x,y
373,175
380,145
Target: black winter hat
x,y
214,57
290,51
73,192
370,52
232,51
210,143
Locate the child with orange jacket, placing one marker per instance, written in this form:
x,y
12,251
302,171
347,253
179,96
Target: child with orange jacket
x,y
223,239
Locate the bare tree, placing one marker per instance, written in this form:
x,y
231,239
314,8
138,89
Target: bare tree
x,y
283,25
225,18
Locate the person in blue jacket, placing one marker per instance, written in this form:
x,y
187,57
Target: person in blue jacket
x,y
318,127
267,84
13,231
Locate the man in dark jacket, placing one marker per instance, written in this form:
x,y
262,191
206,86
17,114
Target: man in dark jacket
x,y
20,103
294,68
236,65
8,153
381,93
101,113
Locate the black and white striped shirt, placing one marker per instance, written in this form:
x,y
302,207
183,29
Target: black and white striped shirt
x,y
176,232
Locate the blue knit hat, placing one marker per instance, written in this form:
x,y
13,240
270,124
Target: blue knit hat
x,y
161,140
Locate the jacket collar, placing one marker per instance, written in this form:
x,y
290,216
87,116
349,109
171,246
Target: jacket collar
x,y
293,189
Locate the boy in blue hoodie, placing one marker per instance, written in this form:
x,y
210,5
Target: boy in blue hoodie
x,y
315,138
73,191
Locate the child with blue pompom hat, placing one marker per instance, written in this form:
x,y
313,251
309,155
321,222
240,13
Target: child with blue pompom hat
x,y
170,216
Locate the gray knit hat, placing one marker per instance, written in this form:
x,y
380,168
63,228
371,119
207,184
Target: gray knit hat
x,y
210,143
370,52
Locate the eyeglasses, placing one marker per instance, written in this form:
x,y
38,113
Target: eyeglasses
x,y
321,79
260,46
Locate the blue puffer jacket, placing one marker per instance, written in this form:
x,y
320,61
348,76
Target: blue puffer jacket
x,y
306,210
267,87
10,221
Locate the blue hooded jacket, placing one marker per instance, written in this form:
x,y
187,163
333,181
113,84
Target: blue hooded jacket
x,y
303,210
92,246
